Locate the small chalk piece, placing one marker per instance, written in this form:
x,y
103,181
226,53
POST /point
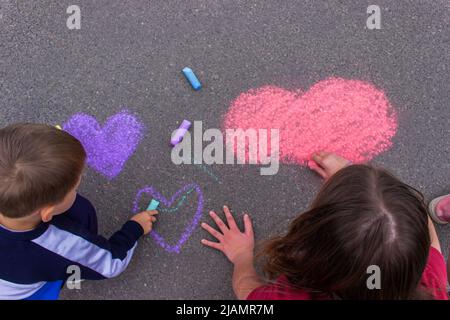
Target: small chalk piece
x,y
181,131
58,127
153,205
192,78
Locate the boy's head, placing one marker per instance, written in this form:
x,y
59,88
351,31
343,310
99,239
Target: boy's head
x,y
40,169
363,217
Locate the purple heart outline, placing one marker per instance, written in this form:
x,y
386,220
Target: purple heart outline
x,y
110,146
190,227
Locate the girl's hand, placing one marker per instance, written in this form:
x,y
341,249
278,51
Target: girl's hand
x,y
327,164
236,245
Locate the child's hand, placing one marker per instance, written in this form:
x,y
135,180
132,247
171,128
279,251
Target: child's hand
x,y
327,164
145,219
236,245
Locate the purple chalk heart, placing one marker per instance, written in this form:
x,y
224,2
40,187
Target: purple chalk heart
x,y
110,146
190,227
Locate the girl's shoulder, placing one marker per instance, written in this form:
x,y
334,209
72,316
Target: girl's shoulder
x,y
434,276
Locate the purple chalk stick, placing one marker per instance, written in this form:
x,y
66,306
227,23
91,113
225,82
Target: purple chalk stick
x,y
181,131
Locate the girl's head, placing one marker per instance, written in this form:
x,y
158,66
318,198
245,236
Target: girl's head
x,y
362,216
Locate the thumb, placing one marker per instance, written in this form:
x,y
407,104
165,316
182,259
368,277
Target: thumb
x,y
152,212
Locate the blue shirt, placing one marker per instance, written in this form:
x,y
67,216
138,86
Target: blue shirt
x,y
30,260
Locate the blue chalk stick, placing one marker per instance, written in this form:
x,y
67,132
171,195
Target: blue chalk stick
x,y
153,205
192,78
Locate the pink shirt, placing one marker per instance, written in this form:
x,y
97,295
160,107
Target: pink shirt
x,y
434,278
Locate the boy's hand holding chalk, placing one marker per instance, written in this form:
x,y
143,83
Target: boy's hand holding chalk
x,y
145,220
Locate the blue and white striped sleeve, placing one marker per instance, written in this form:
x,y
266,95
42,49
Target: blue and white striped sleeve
x,y
97,257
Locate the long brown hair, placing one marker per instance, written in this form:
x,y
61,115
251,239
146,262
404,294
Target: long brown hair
x,y
362,216
39,165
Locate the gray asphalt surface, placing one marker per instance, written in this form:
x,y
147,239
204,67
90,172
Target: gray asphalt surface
x,y
130,53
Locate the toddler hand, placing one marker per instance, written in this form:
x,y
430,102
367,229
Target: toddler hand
x,y
145,219
327,164
236,245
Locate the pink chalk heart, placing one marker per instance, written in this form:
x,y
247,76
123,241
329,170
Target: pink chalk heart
x,y
349,117
191,225
110,146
